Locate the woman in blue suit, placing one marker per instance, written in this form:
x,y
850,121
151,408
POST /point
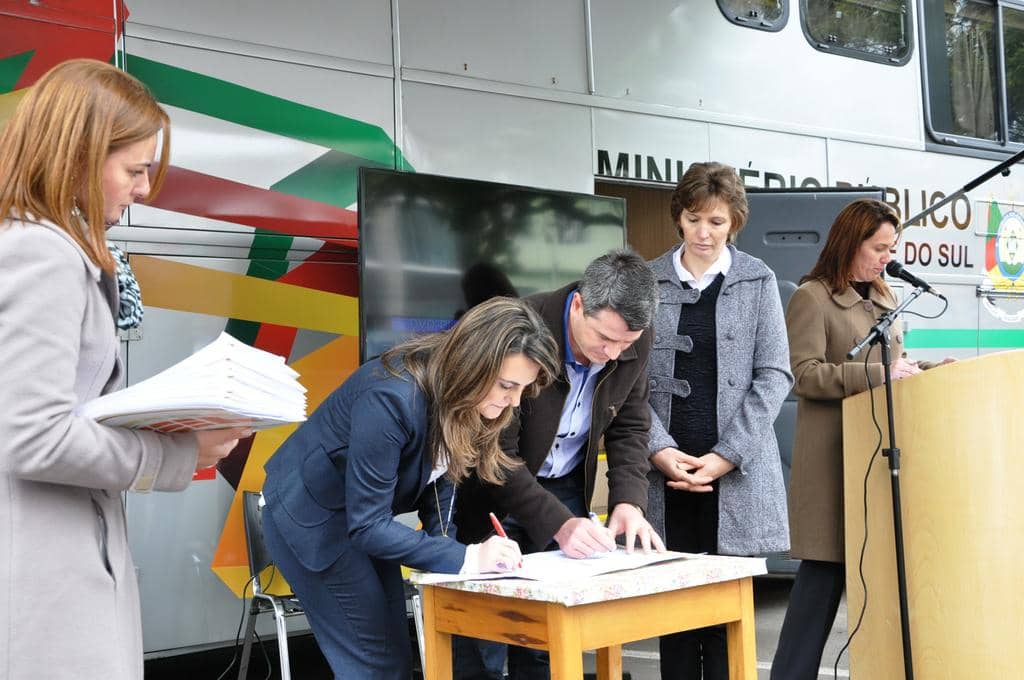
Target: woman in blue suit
x,y
394,438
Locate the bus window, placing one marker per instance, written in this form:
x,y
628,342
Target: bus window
x,y
766,15
962,61
876,30
1013,47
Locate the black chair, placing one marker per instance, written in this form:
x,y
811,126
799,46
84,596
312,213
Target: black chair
x,y
282,606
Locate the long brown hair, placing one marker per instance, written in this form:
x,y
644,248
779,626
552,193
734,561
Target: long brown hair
x,y
53,148
456,369
854,224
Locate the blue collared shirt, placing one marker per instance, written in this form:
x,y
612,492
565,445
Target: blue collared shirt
x,y
570,443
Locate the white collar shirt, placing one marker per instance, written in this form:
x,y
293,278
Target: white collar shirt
x,y
720,266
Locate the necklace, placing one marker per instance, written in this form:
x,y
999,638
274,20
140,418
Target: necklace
x,y
440,519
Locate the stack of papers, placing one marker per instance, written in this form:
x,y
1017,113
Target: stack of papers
x,y
225,384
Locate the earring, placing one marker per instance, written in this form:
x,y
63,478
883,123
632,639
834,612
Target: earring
x,y
75,210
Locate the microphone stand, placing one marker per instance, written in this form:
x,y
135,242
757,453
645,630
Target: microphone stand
x,y
879,335
1001,169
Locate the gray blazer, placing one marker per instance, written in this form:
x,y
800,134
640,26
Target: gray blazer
x,y
69,601
753,381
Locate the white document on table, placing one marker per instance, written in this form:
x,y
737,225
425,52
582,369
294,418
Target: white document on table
x,y
556,567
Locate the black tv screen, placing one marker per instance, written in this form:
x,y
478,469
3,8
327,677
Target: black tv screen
x,y
431,247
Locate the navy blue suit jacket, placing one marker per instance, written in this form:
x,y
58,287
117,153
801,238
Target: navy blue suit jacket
x,y
337,483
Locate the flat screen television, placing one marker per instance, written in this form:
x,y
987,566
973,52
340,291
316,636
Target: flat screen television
x,y
431,247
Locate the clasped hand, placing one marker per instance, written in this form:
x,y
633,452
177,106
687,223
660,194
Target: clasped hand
x,y
690,473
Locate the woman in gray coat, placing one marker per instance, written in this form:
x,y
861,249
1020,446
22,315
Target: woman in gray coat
x,y
719,372
74,154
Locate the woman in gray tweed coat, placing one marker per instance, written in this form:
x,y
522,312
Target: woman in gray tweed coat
x,y
719,372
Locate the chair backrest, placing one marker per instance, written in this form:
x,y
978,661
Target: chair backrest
x,y
252,518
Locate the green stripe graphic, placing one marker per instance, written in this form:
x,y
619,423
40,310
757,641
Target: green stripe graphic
x,y
244,106
995,216
963,338
332,178
11,69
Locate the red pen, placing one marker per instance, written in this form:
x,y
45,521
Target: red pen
x,y
500,530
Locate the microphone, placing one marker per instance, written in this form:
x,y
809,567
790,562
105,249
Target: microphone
x,y
896,270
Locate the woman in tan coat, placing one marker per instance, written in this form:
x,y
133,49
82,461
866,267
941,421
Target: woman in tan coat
x,y
76,152
834,308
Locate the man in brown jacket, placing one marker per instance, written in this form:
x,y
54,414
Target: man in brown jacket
x,y
602,324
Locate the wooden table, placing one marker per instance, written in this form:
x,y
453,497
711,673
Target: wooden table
x,y
567,618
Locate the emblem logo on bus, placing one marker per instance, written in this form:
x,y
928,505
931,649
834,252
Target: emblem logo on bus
x,y
1010,246
1004,264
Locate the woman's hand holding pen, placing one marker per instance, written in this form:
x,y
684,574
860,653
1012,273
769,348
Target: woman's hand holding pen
x,y
499,554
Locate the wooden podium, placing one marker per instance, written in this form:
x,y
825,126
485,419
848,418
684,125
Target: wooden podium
x,y
960,428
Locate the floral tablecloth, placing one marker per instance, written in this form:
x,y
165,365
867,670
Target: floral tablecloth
x,y
656,578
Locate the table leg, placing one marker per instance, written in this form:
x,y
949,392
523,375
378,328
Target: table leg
x,y
609,663
438,646
740,636
564,643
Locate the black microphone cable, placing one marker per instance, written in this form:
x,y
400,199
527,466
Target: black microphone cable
x,y
864,543
945,306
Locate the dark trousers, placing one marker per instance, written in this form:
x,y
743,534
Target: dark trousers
x,y
356,608
813,603
691,525
485,660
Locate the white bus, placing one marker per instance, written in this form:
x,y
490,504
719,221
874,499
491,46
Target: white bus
x,y
276,105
